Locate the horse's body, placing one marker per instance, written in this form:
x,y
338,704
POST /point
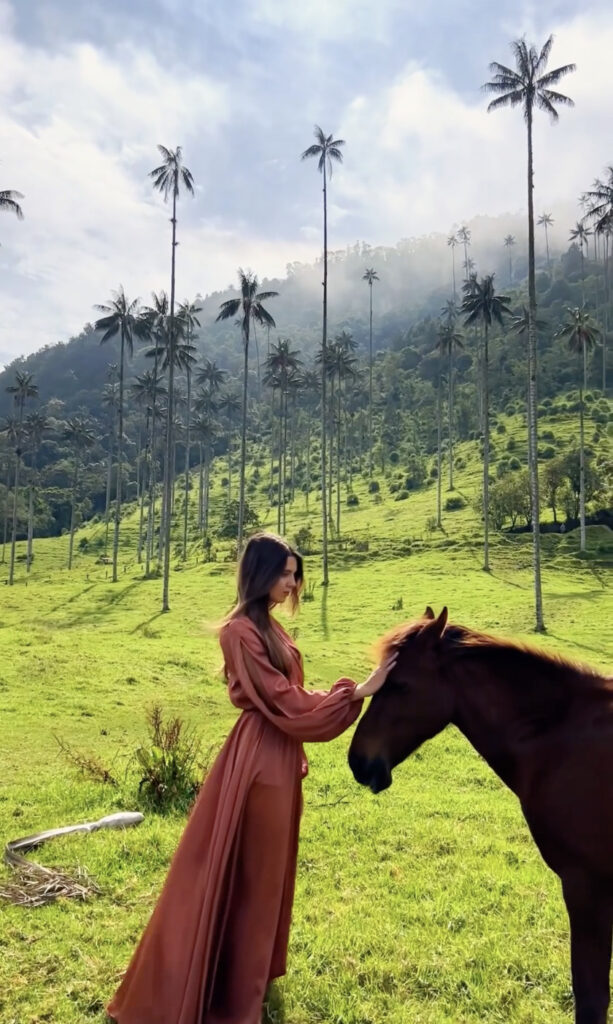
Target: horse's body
x,y
545,726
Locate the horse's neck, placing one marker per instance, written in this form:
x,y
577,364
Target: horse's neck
x,y
492,719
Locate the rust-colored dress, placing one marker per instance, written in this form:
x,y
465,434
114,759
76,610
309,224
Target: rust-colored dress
x,y
220,929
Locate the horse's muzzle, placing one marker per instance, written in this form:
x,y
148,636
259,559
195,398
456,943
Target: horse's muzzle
x,y
373,772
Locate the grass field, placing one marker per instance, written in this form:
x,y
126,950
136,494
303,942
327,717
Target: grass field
x,y
428,904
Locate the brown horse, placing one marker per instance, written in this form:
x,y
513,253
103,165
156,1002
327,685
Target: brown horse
x,y
545,726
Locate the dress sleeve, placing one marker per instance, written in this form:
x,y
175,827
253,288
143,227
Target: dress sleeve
x,y
307,715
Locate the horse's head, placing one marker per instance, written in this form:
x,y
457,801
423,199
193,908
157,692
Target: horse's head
x,y
414,703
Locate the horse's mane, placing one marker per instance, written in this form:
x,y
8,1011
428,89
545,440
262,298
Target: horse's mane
x,y
460,640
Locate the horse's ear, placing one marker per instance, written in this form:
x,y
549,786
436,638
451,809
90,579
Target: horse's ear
x,y
429,614
436,627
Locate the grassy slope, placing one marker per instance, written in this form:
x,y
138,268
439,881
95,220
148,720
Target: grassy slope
x,y
428,904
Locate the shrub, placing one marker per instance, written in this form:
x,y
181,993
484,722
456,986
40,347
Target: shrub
x,y
352,500
434,472
454,503
373,487
500,428
394,458
511,444
303,539
401,496
394,486
502,468
548,435
459,463
547,452
228,526
514,463
168,763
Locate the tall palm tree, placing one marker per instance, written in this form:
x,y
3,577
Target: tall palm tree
x,y
449,340
464,237
110,399
252,311
121,317
230,404
281,364
147,389
35,426
80,435
188,314
169,178
509,242
156,320
580,233
205,432
452,241
327,150
582,334
371,276
529,85
482,305
311,388
344,366
546,220
23,389
519,325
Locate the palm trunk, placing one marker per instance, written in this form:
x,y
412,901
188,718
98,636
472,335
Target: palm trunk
x,y
283,516
582,541
331,458
152,466
280,462
547,247
486,455
168,480
15,495
30,528
109,482
308,460
187,453
241,494
453,271
230,458
140,491
606,314
207,482
119,458
72,510
450,416
324,351
144,488
370,384
532,407
439,442
338,464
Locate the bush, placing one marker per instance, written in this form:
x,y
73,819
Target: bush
x,y
394,487
352,500
303,539
228,526
511,444
502,468
454,503
500,428
434,473
459,463
547,452
548,435
373,487
401,496
168,763
514,463
394,458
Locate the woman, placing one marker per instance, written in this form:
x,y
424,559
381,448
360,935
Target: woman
x,y
219,932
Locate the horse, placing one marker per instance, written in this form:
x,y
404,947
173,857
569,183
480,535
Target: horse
x,y
545,727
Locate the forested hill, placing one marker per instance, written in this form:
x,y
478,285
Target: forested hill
x,y
415,281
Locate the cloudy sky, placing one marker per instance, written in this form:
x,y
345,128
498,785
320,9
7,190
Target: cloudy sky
x,y
87,90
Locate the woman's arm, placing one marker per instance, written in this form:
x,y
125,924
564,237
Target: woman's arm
x,y
307,715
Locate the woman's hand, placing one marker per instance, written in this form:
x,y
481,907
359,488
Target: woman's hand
x,y
376,678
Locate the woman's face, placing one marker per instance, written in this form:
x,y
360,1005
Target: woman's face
x,y
286,583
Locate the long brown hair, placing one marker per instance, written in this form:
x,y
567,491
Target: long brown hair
x,y
261,565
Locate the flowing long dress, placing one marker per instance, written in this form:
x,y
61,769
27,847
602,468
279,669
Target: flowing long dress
x,y
219,932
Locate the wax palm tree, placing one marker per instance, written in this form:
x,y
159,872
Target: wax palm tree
x,y
509,242
482,305
281,364
344,366
205,432
452,242
449,340
371,276
230,404
327,151
599,200
23,389
582,334
35,426
250,304
546,220
147,389
8,434
80,435
529,85
580,233
156,320
464,238
121,317
110,399
169,179
188,315
311,389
